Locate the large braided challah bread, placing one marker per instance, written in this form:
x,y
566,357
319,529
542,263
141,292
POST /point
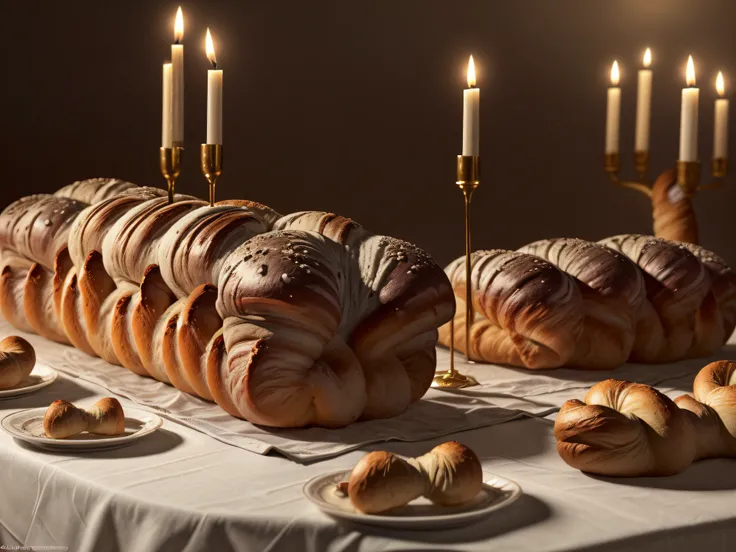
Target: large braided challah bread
x,y
594,305
306,319
630,429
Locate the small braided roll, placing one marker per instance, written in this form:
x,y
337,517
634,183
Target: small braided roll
x,y
630,429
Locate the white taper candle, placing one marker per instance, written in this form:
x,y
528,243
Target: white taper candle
x,y
214,106
720,138
613,112
643,104
177,90
166,108
689,117
214,95
471,114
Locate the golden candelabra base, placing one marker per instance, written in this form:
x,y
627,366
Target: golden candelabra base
x,y
170,164
468,180
688,174
211,160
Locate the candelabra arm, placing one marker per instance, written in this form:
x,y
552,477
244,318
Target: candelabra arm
x,y
612,165
631,185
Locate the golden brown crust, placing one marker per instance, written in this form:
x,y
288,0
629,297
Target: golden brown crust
x,y
17,359
672,211
449,475
63,419
630,429
106,417
382,481
273,345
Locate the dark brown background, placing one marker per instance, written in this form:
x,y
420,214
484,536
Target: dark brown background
x,y
355,106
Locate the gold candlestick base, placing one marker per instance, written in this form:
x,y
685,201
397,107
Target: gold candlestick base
x,y
468,180
452,379
170,164
211,160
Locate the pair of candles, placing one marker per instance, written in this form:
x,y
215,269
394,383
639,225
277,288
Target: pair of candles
x,y
172,116
688,114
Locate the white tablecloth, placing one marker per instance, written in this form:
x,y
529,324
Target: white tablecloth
x,y
504,394
180,489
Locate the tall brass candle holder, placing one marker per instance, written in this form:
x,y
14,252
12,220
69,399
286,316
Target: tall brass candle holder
x,y
170,164
468,179
688,174
211,159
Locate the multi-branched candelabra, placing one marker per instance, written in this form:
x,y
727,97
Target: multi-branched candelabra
x,y
688,174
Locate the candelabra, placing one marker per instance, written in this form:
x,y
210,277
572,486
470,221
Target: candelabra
x,y
688,174
170,164
468,180
211,159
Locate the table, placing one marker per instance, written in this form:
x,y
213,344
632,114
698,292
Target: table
x,y
184,490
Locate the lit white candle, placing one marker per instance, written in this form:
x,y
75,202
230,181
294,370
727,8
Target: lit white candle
x,y
689,116
177,88
471,114
643,104
166,108
720,139
214,95
613,112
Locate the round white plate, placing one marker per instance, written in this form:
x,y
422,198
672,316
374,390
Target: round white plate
x,y
40,377
27,425
497,492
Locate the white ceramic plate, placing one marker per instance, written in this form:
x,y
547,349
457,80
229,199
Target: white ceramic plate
x,y
40,377
497,492
27,425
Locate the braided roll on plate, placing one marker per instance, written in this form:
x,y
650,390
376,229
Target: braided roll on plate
x,y
594,305
306,319
630,429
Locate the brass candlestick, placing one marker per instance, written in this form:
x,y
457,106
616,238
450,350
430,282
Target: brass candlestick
x,y
211,159
170,163
688,174
468,179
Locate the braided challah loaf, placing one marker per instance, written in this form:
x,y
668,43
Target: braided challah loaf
x,y
594,305
630,429
285,321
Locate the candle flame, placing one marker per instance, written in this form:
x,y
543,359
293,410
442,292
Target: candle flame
x,y
690,72
179,26
471,73
614,74
720,86
209,47
647,58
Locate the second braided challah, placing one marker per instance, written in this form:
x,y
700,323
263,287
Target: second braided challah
x,y
288,321
568,302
